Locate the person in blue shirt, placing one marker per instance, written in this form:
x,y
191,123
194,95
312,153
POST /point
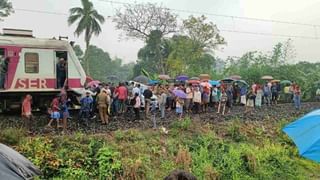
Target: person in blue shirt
x,y
243,95
86,106
267,94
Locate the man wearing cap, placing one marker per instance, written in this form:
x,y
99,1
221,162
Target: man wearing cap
x,y
86,105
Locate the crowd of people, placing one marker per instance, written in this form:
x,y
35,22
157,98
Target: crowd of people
x,y
109,100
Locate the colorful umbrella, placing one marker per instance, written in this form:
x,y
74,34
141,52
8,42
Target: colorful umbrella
x,y
93,83
214,83
204,76
305,134
180,94
194,78
267,77
141,79
242,82
182,78
275,81
164,77
235,77
193,81
286,82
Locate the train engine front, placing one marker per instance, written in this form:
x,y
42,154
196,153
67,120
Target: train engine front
x,y
40,67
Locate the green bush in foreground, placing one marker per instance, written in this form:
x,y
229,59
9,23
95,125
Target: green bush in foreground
x,y
209,152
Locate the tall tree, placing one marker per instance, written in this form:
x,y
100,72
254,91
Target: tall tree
x,y
5,9
150,23
139,20
204,34
89,21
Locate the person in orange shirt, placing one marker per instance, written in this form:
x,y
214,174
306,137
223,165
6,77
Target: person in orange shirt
x,y
26,112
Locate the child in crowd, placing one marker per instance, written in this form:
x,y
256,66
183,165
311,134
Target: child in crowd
x,y
55,111
179,107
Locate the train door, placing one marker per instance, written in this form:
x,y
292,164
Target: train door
x,y
61,69
2,77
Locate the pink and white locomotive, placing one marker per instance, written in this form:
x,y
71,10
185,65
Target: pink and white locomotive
x,y
32,69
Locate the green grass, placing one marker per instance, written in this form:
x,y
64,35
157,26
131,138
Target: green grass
x,y
227,150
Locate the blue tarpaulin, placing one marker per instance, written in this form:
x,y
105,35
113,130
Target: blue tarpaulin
x,y
305,133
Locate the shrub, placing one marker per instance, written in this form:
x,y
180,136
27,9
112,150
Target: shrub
x,y
109,164
40,151
182,125
234,131
11,136
183,159
74,173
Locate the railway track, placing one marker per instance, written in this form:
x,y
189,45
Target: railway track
x,y
273,113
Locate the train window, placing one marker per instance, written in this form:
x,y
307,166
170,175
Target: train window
x,y
31,62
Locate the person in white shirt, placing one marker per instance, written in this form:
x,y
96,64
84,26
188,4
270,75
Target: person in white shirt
x,y
136,89
137,105
188,101
162,103
197,99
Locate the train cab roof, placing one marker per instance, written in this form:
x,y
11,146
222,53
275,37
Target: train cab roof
x,y
24,38
30,42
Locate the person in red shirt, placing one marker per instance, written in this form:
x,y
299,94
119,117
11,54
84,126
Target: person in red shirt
x,y
122,97
55,115
26,112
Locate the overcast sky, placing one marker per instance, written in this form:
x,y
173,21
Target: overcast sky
x,y
307,11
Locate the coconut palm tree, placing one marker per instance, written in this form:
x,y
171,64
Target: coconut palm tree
x,y
89,21
5,9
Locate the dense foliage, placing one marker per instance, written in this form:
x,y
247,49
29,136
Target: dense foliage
x,y
103,67
253,65
227,150
5,9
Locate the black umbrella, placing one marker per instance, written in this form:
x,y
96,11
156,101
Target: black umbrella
x,y
141,79
227,80
112,78
15,166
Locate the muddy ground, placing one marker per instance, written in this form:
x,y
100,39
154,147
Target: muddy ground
x,y
272,113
